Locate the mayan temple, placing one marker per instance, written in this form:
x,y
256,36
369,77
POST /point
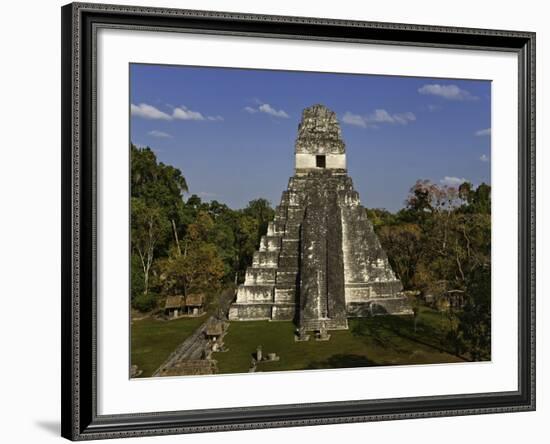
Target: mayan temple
x,y
320,261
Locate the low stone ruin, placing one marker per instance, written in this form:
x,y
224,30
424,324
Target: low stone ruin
x,y
259,356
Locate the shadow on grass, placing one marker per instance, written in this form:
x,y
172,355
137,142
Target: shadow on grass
x,y
371,330
425,336
402,326
342,361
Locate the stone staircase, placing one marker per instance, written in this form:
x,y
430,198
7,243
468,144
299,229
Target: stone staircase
x,y
269,289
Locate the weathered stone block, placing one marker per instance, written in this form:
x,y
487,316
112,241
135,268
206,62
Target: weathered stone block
x,y
270,243
252,312
260,276
290,246
285,294
289,260
282,312
286,277
254,293
292,230
265,259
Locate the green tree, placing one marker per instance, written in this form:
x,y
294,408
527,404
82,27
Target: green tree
x,y
203,268
199,268
247,243
440,244
154,181
136,275
475,318
380,217
403,244
149,228
158,185
261,211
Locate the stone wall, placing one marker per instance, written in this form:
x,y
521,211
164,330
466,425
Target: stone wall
x,y
305,161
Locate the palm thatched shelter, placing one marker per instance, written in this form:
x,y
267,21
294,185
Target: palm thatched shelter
x,y
173,306
194,304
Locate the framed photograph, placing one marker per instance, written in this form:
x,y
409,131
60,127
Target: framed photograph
x,y
280,221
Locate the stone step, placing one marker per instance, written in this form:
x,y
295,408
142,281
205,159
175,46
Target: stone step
x,y
265,259
283,312
281,211
290,199
285,294
279,220
289,260
292,230
254,294
295,215
290,246
327,324
250,312
279,226
397,305
286,277
285,198
275,228
371,264
260,276
270,243
386,288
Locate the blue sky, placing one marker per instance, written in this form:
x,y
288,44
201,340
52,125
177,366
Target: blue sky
x,y
232,131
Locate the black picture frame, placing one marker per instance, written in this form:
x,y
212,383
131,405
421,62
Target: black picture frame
x,y
79,391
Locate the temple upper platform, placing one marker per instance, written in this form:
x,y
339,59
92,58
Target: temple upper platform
x,y
319,144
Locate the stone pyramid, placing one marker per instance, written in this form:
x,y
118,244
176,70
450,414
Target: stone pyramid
x,y
320,261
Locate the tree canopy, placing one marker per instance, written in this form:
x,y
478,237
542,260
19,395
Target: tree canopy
x,y
440,245
181,246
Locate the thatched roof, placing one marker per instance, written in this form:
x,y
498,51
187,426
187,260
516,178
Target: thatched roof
x,y
173,302
194,299
214,329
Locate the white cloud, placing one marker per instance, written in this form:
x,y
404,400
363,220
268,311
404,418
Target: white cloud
x,y
378,116
354,119
161,134
404,118
449,92
183,113
433,108
381,116
483,132
484,158
266,108
453,181
179,113
148,112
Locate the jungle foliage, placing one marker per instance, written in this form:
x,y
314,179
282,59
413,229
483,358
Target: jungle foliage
x,y
185,246
440,245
